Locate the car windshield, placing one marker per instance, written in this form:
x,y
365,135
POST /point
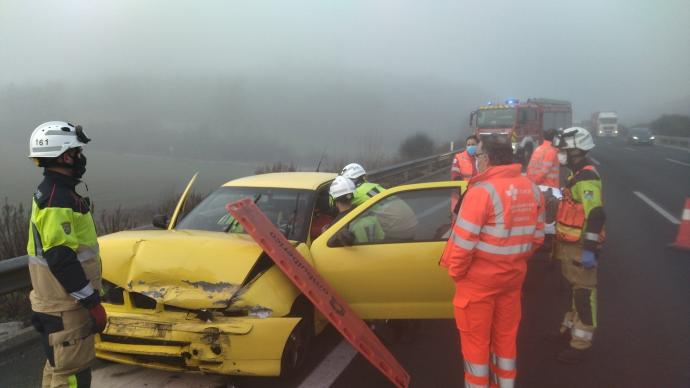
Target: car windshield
x,y
288,209
640,131
496,118
608,120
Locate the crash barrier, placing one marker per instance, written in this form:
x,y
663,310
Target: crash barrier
x,y
317,290
14,273
674,141
683,238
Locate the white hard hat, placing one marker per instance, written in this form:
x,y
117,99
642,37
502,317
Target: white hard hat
x,y
341,186
353,171
51,139
574,138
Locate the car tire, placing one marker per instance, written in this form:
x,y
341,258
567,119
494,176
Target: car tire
x,y
300,339
297,347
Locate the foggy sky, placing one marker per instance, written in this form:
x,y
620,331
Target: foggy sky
x,y
632,56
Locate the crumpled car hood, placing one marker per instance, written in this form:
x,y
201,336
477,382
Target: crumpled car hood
x,y
182,268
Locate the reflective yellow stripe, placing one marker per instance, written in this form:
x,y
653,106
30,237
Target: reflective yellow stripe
x,y
72,381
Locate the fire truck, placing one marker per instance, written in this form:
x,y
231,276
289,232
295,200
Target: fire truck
x,y
522,121
604,124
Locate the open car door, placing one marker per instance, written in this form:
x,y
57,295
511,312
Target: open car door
x,y
389,265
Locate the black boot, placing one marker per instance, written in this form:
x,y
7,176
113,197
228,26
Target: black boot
x,y
572,356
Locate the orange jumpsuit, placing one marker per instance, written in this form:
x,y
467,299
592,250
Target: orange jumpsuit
x,y
463,167
543,168
500,225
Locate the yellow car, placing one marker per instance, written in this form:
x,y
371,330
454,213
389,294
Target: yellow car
x,y
203,296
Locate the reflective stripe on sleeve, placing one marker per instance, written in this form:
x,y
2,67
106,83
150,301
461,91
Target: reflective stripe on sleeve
x,y
462,243
471,385
455,169
479,370
83,293
579,333
468,226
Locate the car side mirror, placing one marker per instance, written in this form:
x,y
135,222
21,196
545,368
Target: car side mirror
x,y
160,221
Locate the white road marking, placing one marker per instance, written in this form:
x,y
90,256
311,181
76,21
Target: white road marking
x,y
678,162
594,161
331,367
630,149
658,208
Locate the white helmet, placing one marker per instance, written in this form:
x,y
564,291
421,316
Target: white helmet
x,y
51,139
353,171
341,186
574,138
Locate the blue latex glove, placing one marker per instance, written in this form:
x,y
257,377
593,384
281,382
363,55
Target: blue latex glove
x,y
588,259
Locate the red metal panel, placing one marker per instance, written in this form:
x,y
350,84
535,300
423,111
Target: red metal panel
x,y
319,292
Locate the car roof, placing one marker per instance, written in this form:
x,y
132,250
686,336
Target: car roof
x,y
287,180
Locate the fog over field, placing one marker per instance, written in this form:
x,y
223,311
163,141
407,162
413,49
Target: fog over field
x,y
254,82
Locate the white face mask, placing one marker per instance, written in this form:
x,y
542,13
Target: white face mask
x,y
563,158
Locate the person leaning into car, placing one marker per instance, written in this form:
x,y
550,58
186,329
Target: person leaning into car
x,y
64,263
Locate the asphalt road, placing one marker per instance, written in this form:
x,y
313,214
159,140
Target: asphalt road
x,y
643,337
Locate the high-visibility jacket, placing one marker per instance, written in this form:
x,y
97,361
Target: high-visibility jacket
x,y
366,229
365,191
543,168
64,262
463,167
581,214
500,225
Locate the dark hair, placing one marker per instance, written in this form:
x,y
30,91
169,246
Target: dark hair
x,y
347,198
498,148
470,137
550,133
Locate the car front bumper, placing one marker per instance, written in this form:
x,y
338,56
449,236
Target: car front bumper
x,y
183,342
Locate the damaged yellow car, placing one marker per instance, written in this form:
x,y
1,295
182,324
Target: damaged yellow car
x,y
202,296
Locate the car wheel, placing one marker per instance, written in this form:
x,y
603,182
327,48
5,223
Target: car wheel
x,y
297,347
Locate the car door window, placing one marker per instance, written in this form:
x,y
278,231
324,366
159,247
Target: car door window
x,y
414,216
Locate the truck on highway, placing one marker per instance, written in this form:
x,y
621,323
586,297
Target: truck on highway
x,y
604,124
522,121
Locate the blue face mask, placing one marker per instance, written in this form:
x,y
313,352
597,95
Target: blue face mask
x,y
472,150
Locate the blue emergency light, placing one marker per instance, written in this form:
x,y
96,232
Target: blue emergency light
x,y
512,101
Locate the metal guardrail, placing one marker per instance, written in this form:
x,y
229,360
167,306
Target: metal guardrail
x,y
674,141
14,273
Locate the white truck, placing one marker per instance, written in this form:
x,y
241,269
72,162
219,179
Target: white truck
x,y
605,124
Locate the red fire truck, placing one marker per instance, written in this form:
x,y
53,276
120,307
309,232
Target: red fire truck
x,y
522,121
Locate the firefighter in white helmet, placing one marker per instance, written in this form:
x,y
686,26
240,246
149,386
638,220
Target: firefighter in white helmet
x,y
363,188
364,228
64,263
579,236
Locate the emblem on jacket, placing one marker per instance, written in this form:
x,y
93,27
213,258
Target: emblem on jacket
x,y
67,227
512,192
